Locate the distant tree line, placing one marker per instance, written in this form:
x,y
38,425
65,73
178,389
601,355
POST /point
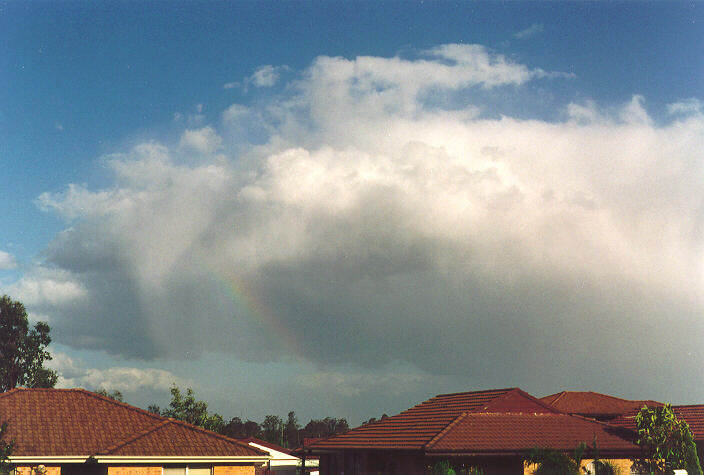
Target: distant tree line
x,y
286,433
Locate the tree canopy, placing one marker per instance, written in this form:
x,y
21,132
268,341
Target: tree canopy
x,y
291,431
273,429
667,442
23,349
114,394
318,428
242,430
190,410
555,462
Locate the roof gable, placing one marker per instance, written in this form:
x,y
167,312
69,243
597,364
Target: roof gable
x,y
175,438
76,422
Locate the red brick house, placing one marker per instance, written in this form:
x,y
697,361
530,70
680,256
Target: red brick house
x,y
77,432
491,430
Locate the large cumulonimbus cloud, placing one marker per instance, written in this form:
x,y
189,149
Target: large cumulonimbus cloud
x,y
368,221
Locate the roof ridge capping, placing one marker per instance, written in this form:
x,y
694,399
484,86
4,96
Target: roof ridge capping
x,y
505,390
561,394
615,397
115,402
132,437
10,392
447,428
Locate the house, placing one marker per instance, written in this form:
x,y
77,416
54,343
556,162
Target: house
x,y
77,432
490,429
622,412
281,461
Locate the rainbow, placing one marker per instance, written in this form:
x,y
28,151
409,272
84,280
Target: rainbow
x,y
248,300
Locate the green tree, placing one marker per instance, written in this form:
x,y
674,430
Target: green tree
x,y
241,430
667,442
188,409
23,350
5,451
442,467
291,431
318,428
556,462
252,429
273,429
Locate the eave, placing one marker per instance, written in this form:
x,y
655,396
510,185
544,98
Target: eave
x,y
127,459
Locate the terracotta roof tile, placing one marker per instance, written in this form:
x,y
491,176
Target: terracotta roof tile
x,y
415,427
591,403
482,432
692,414
176,438
47,422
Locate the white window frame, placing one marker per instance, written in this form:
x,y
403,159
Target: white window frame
x,y
209,467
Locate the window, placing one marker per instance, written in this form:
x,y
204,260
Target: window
x,y
187,470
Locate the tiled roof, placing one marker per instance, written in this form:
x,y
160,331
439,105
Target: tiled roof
x,y
693,415
417,426
65,422
496,433
591,403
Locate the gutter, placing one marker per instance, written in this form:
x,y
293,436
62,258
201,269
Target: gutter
x,y
122,459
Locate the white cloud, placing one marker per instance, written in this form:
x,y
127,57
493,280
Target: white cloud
x,y
73,373
685,107
532,30
47,287
635,113
336,90
265,76
7,261
204,140
587,112
193,119
386,227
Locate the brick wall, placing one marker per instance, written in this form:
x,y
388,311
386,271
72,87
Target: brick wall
x,y
134,470
623,464
48,470
140,470
233,470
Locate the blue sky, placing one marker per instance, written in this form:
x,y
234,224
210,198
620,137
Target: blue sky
x,y
333,202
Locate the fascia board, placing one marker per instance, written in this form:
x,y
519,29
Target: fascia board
x,y
47,459
178,459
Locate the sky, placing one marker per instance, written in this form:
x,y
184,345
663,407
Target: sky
x,y
345,208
